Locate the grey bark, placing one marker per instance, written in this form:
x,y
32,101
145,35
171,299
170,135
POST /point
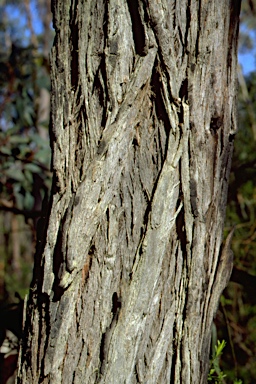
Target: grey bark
x,y
129,274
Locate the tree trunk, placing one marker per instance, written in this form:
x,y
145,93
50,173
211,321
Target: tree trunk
x,y
129,273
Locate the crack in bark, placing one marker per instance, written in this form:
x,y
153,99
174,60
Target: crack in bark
x,y
106,336
138,27
74,45
197,53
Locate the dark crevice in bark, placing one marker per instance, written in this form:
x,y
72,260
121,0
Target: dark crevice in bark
x,y
182,236
149,206
43,302
163,151
216,123
74,41
24,343
184,90
58,262
102,68
174,355
181,113
193,196
97,83
107,219
136,374
116,304
104,344
233,37
221,141
188,17
198,30
145,12
145,194
82,116
159,103
135,142
79,153
173,9
42,225
181,231
184,51
137,28
52,134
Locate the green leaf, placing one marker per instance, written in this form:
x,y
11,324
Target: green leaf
x,y
17,139
43,156
27,116
5,150
28,201
15,173
28,176
19,199
31,167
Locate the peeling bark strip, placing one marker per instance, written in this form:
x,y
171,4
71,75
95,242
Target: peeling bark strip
x,y
128,279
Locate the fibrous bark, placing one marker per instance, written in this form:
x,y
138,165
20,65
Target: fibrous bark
x,y
129,274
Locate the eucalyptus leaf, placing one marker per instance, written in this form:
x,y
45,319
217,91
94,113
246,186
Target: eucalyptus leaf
x,y
5,150
17,139
40,141
28,201
27,117
15,173
19,199
43,156
34,168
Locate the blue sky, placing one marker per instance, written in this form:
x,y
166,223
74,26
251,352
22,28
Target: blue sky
x,y
247,61
247,56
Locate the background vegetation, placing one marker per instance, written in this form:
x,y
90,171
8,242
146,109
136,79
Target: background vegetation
x,y
25,40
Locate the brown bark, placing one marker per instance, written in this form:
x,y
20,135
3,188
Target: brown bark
x,y
129,275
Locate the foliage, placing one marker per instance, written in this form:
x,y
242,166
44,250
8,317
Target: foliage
x,y
24,153
248,26
242,191
24,145
236,318
215,374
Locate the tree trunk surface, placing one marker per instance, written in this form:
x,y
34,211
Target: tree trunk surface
x,y
129,272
